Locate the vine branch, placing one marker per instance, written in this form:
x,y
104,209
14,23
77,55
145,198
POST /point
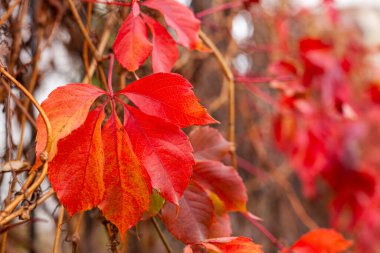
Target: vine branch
x,y
231,92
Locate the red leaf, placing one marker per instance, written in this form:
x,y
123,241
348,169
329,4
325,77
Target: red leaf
x,y
132,46
76,172
168,96
224,181
165,52
221,227
209,144
164,150
127,184
195,215
233,245
181,19
67,108
320,241
161,146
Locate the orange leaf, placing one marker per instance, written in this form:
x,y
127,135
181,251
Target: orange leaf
x,y
320,241
225,245
234,245
128,189
76,172
67,108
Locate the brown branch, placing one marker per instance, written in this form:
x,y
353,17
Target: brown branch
x,y
17,40
83,30
112,236
85,44
29,208
35,103
31,86
9,12
281,181
3,242
20,106
76,235
4,215
102,45
231,91
58,229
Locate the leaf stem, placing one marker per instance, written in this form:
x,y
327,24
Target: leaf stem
x,y
260,227
110,69
161,234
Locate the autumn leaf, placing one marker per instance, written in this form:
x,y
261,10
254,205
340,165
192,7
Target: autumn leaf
x,y
226,245
79,164
67,108
320,241
195,214
220,190
132,46
172,99
224,181
221,227
165,52
164,150
115,167
209,144
181,19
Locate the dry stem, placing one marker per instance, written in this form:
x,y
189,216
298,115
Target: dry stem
x,y
231,92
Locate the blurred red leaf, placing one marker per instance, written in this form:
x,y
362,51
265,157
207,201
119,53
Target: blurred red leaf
x,y
320,241
190,223
209,144
226,245
224,181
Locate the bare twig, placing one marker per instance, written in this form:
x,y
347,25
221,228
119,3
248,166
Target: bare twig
x,y
17,213
58,229
83,30
112,233
231,91
76,235
9,12
11,206
101,47
161,234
